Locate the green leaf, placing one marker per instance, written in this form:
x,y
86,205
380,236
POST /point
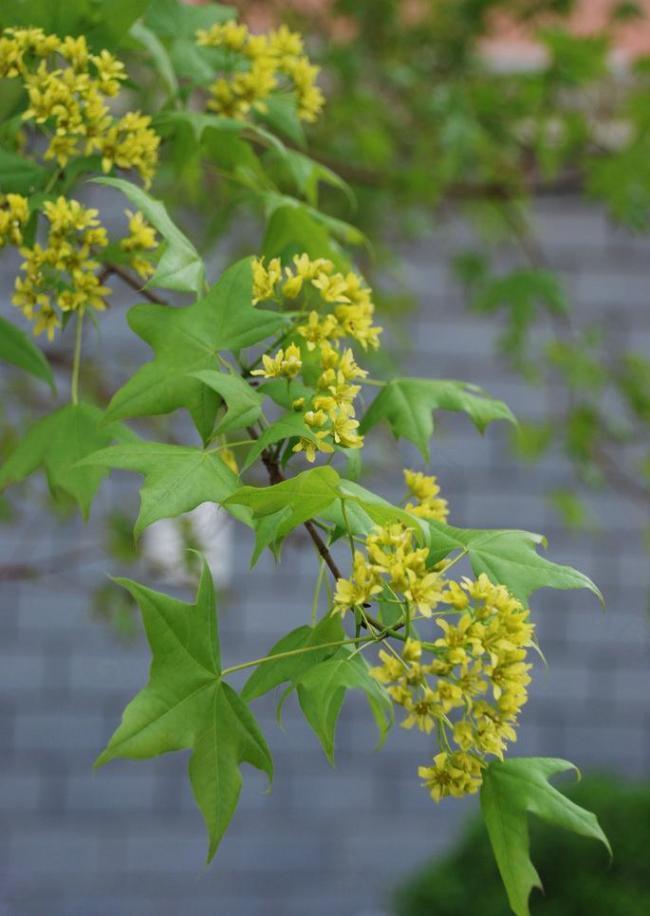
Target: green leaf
x,y
291,230
282,115
180,266
304,495
176,478
243,402
19,175
187,340
306,174
57,443
277,671
321,691
158,54
288,426
186,705
507,557
173,19
407,404
17,348
360,510
511,790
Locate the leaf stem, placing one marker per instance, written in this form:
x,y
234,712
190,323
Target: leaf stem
x,y
74,384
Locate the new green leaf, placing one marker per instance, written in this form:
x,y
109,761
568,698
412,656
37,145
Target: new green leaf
x,y
407,404
186,705
57,443
511,790
187,340
508,557
176,478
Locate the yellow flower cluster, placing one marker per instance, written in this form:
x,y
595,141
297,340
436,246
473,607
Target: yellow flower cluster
x,y
394,563
425,490
67,87
141,237
330,412
474,686
258,66
62,272
14,213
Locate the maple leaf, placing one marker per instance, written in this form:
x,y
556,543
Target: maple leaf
x,y
57,443
511,790
187,340
187,705
408,403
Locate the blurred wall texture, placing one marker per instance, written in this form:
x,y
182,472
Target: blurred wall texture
x,y
128,841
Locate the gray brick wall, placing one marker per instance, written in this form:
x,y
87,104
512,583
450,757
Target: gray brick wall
x,y
127,840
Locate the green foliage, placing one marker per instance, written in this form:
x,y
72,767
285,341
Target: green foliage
x,y
57,443
511,790
180,266
17,348
321,692
509,557
407,404
187,705
299,314
576,874
177,478
186,341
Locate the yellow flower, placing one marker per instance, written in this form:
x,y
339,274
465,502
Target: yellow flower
x,y
448,694
284,43
141,234
227,34
14,213
391,668
311,446
331,287
317,329
423,711
344,432
455,774
265,278
359,589
423,591
286,363
425,489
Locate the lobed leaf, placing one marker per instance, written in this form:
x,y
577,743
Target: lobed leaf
x,y
508,557
187,340
57,443
186,705
176,478
511,790
407,404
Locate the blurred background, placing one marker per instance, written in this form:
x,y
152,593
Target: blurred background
x,y
500,159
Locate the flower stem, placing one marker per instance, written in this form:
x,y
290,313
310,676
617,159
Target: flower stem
x,y
74,385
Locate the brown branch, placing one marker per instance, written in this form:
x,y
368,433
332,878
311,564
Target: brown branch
x,y
132,281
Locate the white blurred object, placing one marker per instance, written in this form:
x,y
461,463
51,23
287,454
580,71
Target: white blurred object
x,y
207,528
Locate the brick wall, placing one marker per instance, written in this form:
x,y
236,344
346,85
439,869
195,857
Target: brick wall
x,y
127,840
